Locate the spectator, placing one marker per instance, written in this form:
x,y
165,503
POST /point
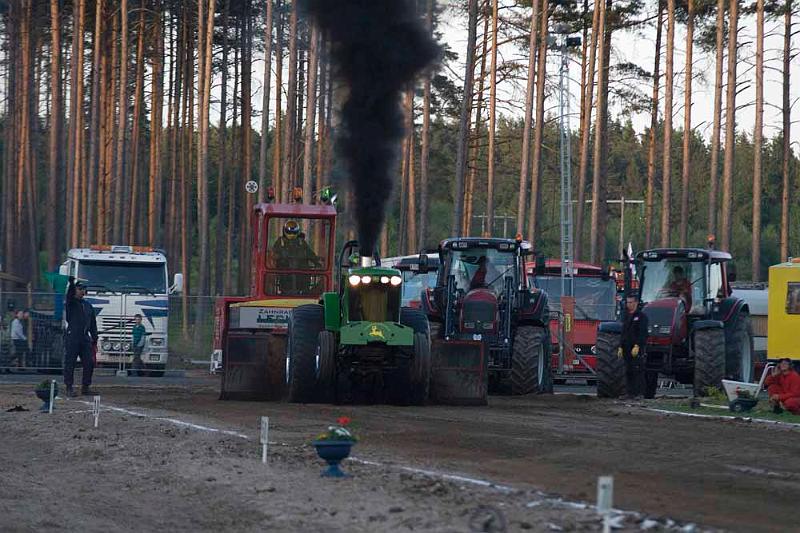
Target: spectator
x,y
81,338
783,387
18,339
139,334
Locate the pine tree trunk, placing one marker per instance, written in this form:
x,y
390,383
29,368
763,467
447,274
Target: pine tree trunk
x,y
525,164
726,222
787,123
265,102
596,251
94,120
464,122
538,129
490,173
246,161
669,86
203,99
77,111
649,206
291,103
131,217
757,142
586,134
54,171
687,125
425,141
119,174
232,190
311,116
411,212
156,104
222,222
277,131
713,186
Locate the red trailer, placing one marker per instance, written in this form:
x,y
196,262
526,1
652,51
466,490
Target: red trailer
x,y
574,324
292,251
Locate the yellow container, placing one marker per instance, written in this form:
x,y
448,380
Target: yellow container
x,y
783,322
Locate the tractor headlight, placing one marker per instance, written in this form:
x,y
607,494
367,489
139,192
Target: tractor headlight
x,y
366,279
396,280
354,280
384,279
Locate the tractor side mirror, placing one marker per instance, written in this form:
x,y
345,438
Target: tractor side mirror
x,y
423,263
540,265
731,270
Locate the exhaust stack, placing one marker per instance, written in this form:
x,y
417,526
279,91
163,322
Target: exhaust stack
x,y
367,261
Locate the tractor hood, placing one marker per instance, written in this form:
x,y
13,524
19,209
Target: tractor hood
x,y
666,319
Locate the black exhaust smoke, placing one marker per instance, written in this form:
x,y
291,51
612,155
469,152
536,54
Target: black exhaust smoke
x,y
377,48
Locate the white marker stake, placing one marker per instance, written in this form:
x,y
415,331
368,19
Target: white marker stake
x,y
52,396
96,410
264,438
605,497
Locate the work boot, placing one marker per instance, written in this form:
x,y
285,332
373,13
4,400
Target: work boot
x,y
86,391
70,392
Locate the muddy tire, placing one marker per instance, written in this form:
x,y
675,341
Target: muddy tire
x,y
305,324
610,367
327,374
415,319
420,370
529,361
739,350
709,360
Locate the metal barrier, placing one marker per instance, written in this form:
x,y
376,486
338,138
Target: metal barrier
x,y
185,340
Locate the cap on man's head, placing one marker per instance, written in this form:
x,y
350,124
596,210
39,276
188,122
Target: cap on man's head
x,y
80,285
632,294
785,360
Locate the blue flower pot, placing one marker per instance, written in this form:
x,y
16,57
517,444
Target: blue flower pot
x,y
333,452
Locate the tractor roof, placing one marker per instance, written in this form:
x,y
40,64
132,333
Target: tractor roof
x,y
296,210
480,242
691,254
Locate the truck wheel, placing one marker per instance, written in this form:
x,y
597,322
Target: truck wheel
x,y
739,350
530,369
420,370
610,367
327,375
709,360
305,323
415,319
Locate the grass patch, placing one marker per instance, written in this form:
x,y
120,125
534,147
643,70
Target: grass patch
x,y
762,411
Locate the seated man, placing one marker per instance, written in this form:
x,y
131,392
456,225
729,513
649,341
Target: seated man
x,y
783,387
479,277
292,252
679,287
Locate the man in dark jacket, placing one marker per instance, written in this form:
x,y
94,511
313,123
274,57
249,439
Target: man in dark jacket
x,y
80,338
632,346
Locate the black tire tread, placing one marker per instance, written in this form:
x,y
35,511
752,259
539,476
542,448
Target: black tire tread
x,y
327,378
528,342
740,328
305,324
420,370
709,360
416,319
610,367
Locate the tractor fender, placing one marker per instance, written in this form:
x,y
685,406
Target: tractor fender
x,y
730,308
535,310
707,324
610,327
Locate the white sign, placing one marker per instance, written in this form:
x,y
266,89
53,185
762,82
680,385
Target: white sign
x,y
251,187
263,317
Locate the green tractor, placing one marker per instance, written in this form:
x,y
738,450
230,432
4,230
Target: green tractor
x,y
358,343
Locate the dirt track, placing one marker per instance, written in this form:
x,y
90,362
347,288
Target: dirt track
x,y
730,475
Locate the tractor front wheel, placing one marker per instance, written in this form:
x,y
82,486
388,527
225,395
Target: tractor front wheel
x,y
305,324
709,360
415,319
530,371
610,366
420,370
327,375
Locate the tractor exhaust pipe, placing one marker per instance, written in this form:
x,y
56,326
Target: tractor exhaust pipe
x,y
367,261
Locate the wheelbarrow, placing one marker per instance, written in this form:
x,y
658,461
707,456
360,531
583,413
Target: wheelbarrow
x,y
743,396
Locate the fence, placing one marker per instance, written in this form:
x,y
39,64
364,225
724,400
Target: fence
x,y
178,329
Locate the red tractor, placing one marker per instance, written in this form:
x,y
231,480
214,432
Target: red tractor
x,y
698,332
574,334
489,328
292,265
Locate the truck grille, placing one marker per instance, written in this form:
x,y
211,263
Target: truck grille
x,y
115,324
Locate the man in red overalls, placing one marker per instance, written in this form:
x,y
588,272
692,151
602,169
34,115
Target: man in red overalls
x,y
783,387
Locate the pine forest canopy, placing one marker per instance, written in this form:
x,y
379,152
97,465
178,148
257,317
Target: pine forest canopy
x,y
139,122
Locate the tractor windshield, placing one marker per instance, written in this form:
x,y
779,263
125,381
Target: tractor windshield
x,y
296,256
676,278
482,268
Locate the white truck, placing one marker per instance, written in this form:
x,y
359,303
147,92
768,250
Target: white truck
x,y
123,281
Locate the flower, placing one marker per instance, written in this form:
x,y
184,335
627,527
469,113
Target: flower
x,y
343,420
338,432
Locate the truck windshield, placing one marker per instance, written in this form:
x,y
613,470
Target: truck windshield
x,y
678,278
107,276
485,268
595,299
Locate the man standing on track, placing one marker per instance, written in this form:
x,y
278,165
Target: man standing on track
x,y
632,346
80,338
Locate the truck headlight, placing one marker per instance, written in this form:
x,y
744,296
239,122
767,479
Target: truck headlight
x,y
127,347
106,346
117,346
157,342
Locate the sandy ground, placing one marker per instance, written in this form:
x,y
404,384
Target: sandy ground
x,y
138,473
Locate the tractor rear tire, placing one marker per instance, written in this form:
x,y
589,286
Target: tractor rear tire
x,y
327,375
610,367
305,324
739,350
420,370
415,319
709,360
530,371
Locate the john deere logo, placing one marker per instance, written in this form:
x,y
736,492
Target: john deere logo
x,y
375,331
